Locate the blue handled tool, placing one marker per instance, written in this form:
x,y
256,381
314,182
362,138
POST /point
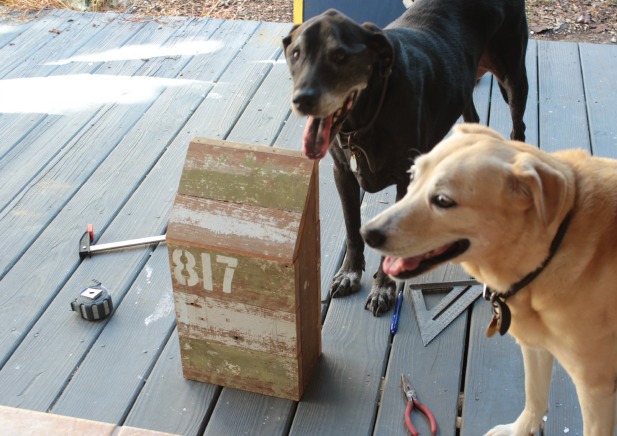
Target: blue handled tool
x,y
397,312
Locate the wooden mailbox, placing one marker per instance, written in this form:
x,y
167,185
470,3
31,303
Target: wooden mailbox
x,y
244,251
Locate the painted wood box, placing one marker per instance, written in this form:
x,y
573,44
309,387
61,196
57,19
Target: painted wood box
x,y
244,251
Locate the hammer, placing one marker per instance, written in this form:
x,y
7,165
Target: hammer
x,y
85,249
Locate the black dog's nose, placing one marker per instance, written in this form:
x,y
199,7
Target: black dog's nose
x,y
373,237
305,100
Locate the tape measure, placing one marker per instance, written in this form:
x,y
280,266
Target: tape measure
x,y
94,303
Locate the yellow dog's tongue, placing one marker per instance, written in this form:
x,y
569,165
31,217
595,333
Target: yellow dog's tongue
x,y
316,137
396,265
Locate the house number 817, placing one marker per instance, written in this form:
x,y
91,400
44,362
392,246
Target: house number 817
x,y
185,273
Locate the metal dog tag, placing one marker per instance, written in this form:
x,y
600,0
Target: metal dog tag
x,y
353,163
492,327
501,317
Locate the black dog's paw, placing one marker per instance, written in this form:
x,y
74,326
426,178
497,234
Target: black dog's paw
x,y
381,298
345,283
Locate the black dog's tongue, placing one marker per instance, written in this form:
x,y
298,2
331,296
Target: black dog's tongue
x,y
316,137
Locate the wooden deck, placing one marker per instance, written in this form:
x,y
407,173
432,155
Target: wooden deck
x,y
96,113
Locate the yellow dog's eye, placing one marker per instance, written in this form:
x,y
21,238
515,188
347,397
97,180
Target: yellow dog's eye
x,y
442,201
295,54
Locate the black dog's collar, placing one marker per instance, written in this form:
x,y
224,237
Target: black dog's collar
x,y
382,97
349,134
498,300
353,155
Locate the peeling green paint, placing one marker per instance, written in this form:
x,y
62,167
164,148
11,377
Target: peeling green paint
x,y
240,368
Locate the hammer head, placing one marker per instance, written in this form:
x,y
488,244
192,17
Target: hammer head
x,y
84,244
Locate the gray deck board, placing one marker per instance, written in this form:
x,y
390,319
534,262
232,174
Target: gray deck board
x,y
144,213
205,122
13,25
68,41
435,371
563,119
47,142
238,412
122,118
267,111
563,125
39,34
117,165
71,224
430,368
38,207
169,402
497,362
15,128
347,381
597,64
105,386
51,149
494,386
260,414
492,371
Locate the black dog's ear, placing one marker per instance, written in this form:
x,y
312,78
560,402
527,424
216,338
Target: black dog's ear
x,y
287,39
381,44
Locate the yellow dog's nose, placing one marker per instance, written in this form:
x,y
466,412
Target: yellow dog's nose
x,y
375,238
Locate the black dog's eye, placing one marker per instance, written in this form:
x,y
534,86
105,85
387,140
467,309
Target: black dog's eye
x,y
295,54
442,201
412,174
339,55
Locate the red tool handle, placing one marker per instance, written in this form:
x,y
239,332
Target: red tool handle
x,y
410,425
431,419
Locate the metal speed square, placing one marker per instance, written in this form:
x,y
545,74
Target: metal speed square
x,y
457,299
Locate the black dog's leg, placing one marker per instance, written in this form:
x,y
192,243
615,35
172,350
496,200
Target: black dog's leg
x,y
470,115
383,292
347,280
514,88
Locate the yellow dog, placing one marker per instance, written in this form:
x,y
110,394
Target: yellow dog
x,y
540,230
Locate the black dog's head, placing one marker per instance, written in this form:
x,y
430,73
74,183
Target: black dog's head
x,y
331,59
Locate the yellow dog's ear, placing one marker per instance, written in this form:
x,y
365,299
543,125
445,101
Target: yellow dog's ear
x,y
541,183
476,129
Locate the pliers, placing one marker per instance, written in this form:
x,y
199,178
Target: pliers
x,y
412,401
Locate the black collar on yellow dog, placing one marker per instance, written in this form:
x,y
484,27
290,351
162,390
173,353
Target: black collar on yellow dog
x,y
501,312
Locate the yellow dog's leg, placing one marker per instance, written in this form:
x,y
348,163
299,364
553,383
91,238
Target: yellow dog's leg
x,y
538,366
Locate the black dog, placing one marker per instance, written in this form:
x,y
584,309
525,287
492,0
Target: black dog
x,y
381,97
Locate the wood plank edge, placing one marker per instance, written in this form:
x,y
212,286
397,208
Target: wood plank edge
x,y
22,421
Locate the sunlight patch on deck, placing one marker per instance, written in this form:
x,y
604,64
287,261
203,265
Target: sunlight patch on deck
x,y
6,29
146,51
60,95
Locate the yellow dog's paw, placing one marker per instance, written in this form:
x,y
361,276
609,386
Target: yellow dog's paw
x,y
526,424
506,430
518,428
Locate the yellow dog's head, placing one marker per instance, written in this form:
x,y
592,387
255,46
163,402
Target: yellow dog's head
x,y
475,199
